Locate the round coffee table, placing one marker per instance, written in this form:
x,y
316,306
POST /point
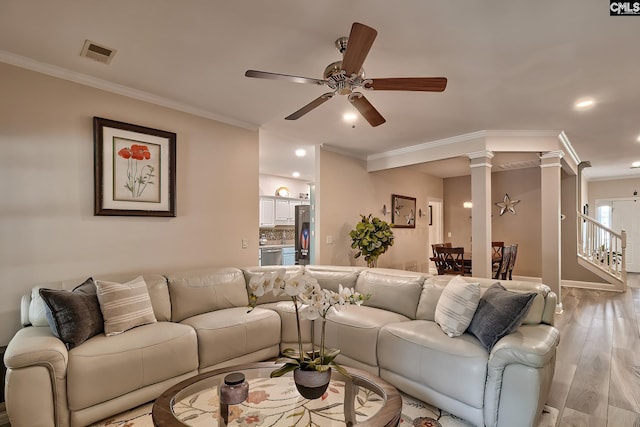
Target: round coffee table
x,y
363,399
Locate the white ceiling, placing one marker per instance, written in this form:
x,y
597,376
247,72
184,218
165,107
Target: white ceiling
x,y
510,64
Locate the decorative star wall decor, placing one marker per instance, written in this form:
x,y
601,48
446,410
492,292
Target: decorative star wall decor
x,y
507,205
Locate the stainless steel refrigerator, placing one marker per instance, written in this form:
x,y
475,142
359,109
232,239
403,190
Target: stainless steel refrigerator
x,y
303,234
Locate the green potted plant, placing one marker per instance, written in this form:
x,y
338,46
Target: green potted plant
x,y
311,369
372,237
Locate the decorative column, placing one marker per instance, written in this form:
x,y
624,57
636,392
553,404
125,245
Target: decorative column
x,y
480,164
550,185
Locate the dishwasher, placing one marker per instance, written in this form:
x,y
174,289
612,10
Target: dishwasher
x,y
270,256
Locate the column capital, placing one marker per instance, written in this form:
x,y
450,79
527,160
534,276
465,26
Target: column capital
x,y
556,154
551,159
484,154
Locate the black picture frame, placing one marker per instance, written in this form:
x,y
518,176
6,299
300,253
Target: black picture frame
x,y
134,170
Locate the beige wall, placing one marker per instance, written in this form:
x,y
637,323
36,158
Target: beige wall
x,y
345,190
47,227
611,189
522,228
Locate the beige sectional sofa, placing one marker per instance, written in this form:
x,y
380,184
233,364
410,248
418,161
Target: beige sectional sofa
x,y
203,324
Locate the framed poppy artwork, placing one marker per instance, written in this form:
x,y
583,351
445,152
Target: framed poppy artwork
x,y
134,170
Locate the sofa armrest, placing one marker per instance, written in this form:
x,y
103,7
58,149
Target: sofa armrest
x,y
530,345
36,372
36,346
519,374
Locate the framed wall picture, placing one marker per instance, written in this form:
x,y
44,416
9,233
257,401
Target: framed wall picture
x,y
134,170
403,211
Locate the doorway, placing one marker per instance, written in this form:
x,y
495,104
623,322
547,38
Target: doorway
x,y
436,227
623,214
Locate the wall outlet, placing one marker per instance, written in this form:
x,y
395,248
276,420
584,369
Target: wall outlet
x,y
245,243
449,234
329,240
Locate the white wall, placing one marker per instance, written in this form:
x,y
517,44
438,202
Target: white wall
x,y
270,183
47,228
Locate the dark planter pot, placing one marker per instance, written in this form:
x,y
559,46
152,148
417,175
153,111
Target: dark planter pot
x,y
311,384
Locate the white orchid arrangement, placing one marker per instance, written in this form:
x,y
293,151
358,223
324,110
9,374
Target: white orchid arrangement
x,y
311,302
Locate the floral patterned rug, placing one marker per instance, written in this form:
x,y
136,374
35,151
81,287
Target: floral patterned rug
x,y
280,404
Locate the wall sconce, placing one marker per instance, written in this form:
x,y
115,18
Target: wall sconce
x,y
384,210
467,205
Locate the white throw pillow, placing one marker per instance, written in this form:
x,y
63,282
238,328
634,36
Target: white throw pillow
x,y
457,305
124,305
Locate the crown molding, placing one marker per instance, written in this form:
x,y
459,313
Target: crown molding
x,y
427,145
568,148
341,151
86,80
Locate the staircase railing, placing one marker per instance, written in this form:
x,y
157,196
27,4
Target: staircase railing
x,y
603,247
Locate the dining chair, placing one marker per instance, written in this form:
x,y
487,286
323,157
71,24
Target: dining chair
x,y
451,260
496,250
501,271
512,260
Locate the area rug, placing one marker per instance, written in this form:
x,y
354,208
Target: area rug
x,y
281,405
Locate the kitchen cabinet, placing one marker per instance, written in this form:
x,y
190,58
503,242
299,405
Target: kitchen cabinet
x,y
289,256
282,213
267,212
278,210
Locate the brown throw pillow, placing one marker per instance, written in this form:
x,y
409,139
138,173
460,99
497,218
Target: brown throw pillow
x,y
74,316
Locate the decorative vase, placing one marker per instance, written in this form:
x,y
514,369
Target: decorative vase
x,y
311,384
372,263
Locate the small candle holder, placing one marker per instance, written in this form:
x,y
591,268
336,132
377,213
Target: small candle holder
x,y
233,391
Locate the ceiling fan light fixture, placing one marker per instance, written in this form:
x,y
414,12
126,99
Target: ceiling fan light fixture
x,y
349,117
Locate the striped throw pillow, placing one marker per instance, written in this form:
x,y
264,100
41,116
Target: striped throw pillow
x,y
457,305
124,305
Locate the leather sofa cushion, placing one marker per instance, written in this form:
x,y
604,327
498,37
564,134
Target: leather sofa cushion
x,y
538,313
202,291
289,326
354,330
329,277
394,290
455,367
233,332
290,271
156,285
106,367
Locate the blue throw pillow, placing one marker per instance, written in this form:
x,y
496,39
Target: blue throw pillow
x,y
500,312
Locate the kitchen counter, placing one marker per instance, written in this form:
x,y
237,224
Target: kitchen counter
x,y
274,246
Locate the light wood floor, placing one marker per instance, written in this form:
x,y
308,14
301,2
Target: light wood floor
x,y
597,377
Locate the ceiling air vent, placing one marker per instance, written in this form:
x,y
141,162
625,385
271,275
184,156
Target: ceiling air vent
x,y
97,52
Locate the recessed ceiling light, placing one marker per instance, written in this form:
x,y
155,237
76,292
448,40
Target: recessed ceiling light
x,y
584,103
296,174
301,152
635,165
638,139
349,117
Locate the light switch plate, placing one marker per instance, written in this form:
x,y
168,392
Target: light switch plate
x,y
245,243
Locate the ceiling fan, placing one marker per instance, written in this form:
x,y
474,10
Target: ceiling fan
x,y
346,76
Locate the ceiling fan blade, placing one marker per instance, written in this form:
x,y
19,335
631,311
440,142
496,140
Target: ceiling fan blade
x,y
367,110
276,76
310,106
360,41
428,84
